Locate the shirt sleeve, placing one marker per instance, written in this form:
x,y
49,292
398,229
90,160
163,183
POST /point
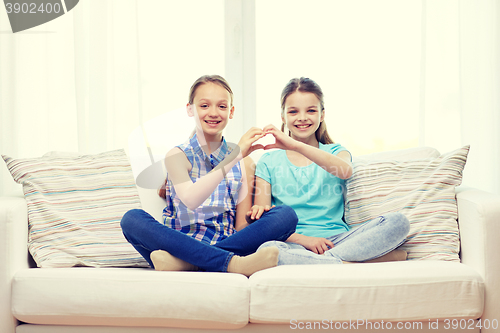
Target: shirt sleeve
x,y
336,148
263,166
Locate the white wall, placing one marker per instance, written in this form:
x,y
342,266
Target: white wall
x,y
480,91
462,85
86,80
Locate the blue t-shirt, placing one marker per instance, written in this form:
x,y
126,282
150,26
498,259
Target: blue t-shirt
x,y
315,194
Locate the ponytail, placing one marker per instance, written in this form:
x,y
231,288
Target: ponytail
x,y
162,191
322,134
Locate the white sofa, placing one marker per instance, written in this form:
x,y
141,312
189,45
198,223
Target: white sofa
x,y
411,295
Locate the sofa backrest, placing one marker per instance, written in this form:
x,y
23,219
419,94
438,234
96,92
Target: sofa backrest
x,y
149,143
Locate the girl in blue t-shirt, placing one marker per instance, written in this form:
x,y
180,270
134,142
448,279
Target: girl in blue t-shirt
x,y
308,173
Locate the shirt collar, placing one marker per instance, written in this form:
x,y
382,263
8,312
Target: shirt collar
x,y
216,157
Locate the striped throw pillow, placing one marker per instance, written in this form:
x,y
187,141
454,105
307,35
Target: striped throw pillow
x,y
75,204
423,190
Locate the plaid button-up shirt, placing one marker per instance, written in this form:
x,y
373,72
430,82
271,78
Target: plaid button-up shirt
x,y
213,220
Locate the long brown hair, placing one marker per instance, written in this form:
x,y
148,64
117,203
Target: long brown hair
x,y
305,84
216,79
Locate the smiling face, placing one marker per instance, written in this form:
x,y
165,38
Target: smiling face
x,y
211,108
302,114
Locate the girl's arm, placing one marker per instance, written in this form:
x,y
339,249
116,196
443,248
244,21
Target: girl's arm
x,y
262,192
245,212
315,244
193,194
245,193
338,165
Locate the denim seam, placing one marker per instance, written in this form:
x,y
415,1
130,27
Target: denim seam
x,y
226,262
339,261
141,246
285,236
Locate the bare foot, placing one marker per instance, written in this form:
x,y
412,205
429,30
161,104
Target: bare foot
x,y
164,261
262,259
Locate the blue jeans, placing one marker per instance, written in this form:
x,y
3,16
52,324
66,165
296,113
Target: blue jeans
x,y
147,235
371,240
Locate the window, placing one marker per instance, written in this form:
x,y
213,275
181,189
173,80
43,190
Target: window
x,y
364,54
191,44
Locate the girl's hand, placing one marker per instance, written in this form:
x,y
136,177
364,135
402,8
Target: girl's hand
x,y
256,212
282,140
248,139
315,244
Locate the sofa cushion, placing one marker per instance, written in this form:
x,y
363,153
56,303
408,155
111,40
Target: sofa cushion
x,y
393,291
423,190
408,154
130,297
75,204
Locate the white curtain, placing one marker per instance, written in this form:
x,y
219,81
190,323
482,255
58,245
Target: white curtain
x,y
71,84
480,90
86,80
460,87
364,54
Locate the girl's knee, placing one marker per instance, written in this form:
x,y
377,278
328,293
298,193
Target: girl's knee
x,y
277,244
287,214
129,218
266,244
400,221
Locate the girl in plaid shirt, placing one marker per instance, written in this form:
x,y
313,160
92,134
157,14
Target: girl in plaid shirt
x,y
209,221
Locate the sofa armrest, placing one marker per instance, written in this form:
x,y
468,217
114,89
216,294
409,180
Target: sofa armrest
x,y
13,253
479,223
